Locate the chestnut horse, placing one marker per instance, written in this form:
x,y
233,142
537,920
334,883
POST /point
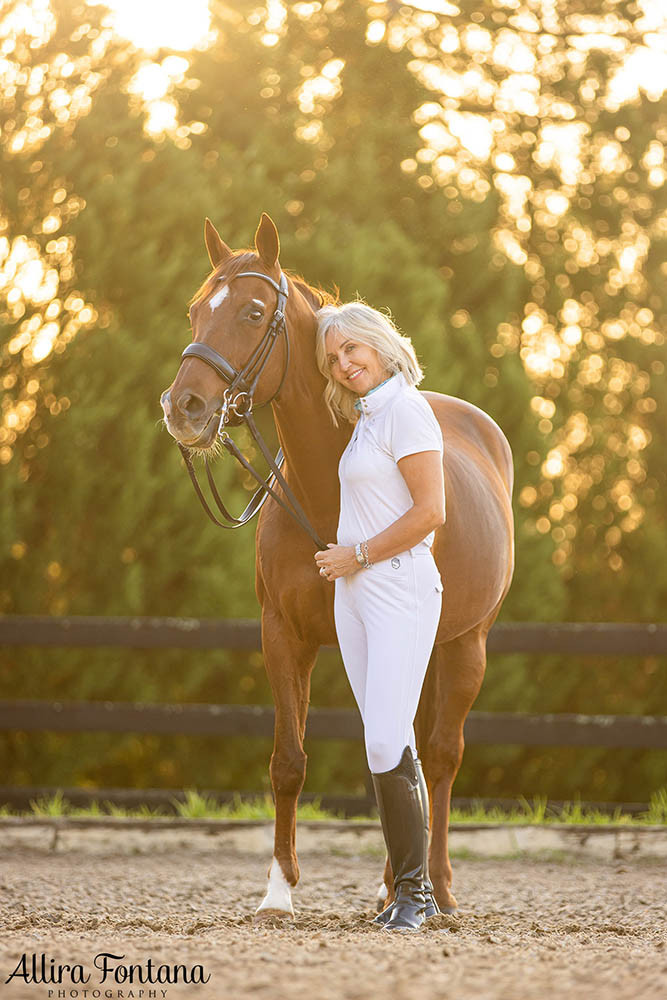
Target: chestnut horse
x,y
474,549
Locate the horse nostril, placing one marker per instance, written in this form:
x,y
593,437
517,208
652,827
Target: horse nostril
x,y
191,405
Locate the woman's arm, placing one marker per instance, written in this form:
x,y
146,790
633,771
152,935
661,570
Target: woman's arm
x,y
423,476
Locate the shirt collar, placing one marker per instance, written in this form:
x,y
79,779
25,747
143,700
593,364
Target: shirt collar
x,y
376,399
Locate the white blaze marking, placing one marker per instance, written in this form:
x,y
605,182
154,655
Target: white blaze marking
x,y
219,297
279,893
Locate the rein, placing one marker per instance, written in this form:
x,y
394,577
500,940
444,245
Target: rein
x,y
238,400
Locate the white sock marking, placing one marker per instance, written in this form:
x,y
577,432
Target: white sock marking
x,y
279,892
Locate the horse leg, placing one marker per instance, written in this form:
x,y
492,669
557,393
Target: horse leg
x,y
289,663
385,895
452,683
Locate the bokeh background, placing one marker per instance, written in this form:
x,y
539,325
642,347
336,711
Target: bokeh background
x,y
493,172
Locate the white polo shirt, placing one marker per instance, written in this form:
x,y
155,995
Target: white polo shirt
x,y
395,421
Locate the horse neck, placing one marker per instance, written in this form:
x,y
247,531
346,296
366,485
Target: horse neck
x,y
311,444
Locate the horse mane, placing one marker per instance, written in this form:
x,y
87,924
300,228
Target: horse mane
x,y
315,296
245,260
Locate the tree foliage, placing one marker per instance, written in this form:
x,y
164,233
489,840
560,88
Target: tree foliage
x,y
491,173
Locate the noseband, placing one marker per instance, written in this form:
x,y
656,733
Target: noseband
x,y
238,400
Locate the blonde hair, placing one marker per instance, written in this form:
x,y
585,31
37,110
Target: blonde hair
x,y
372,328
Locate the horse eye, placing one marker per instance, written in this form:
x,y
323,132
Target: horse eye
x,y
255,315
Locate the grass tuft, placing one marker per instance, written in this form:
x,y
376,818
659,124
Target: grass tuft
x,y
657,810
54,805
536,812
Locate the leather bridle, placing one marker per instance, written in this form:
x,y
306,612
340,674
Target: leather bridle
x,y
238,400
245,380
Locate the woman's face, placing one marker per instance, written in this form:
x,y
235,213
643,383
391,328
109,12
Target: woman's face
x,y
356,366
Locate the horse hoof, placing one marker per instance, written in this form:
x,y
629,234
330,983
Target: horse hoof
x,y
451,907
272,917
381,898
449,904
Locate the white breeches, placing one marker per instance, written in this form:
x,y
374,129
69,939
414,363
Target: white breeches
x,y
386,620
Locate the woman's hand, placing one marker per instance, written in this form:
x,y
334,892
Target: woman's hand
x,y
336,561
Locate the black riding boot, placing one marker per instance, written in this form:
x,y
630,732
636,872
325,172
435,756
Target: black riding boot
x,y
431,906
402,817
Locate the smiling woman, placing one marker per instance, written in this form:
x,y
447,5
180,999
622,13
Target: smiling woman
x,y
154,24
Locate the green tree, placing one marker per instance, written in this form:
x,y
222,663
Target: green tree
x,y
485,175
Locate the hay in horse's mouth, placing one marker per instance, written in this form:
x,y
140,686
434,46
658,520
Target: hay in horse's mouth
x,y
209,451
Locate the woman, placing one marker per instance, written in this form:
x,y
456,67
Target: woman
x,y
388,590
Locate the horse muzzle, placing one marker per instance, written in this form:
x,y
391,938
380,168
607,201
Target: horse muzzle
x,y
190,419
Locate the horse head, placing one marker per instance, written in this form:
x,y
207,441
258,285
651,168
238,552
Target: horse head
x,y
237,319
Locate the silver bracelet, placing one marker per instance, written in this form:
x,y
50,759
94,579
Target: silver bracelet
x,y
361,554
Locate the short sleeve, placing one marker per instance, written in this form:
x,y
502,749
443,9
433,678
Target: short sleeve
x,y
412,427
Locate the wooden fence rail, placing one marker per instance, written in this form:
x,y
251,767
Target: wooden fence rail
x,y
583,638
648,732
608,639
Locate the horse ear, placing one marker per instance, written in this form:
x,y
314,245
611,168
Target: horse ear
x,y
267,243
217,248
